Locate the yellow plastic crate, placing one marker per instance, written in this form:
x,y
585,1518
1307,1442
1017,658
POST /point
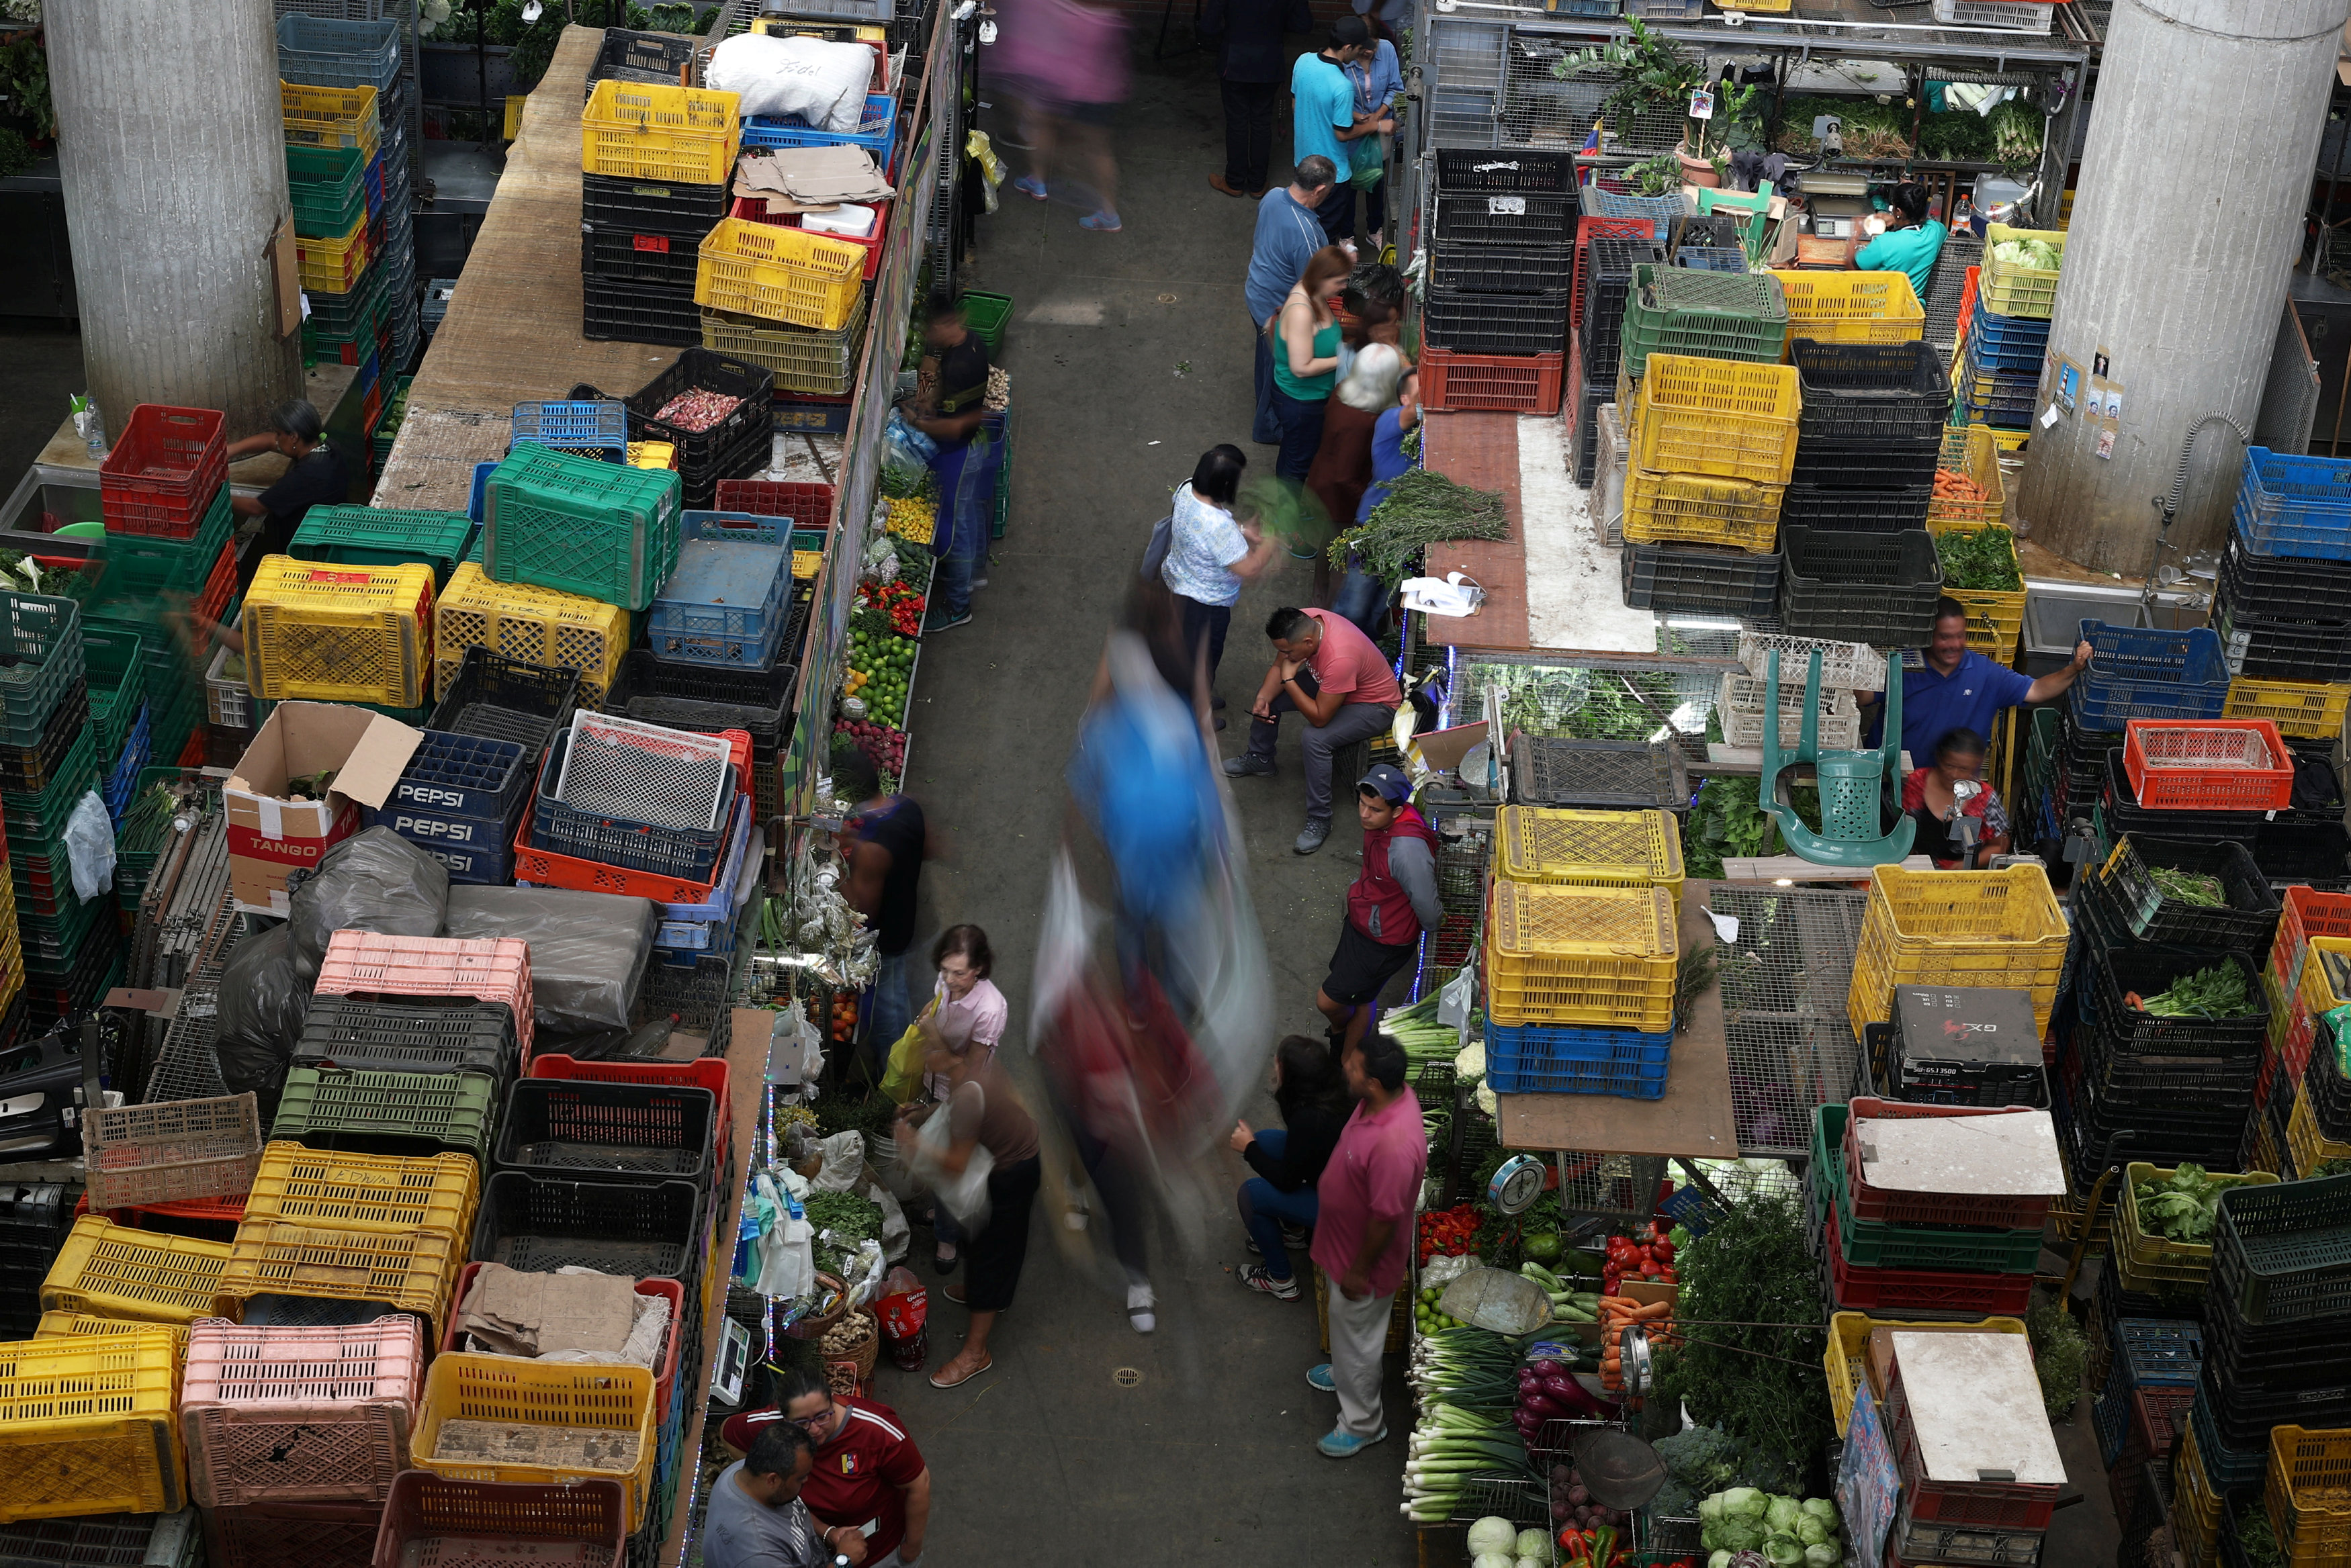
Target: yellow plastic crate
x,y
2308,1146
331,117
81,1326
87,1426
1846,1357
1720,418
414,1270
2195,1503
336,265
1680,508
538,626
107,1270
780,274
642,130
339,633
366,1191
1957,927
462,1387
2006,290
2315,712
1853,307
1995,615
1972,454
807,563
659,454
2308,1494
1601,957
1590,849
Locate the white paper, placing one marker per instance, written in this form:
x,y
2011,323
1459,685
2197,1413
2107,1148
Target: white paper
x,y
2048,416
1726,928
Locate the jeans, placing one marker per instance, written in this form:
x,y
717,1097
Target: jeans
x,y
1122,1194
1301,435
1249,132
1375,208
1363,599
1207,623
967,487
1264,428
891,1011
1337,212
1265,1207
1353,721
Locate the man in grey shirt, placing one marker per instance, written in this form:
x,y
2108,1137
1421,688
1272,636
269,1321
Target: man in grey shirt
x,y
1392,901
757,1518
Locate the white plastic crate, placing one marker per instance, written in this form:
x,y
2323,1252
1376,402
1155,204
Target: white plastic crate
x,y
2010,16
637,772
1850,666
1742,703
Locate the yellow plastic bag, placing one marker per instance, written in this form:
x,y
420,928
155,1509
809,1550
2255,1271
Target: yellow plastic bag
x,y
903,1079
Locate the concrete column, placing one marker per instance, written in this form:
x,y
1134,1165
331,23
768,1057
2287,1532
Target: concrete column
x,y
170,143
2186,220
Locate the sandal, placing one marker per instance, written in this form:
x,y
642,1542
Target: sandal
x,y
959,1382
949,1291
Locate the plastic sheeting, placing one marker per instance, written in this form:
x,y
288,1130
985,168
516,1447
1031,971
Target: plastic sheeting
x,y
372,881
588,951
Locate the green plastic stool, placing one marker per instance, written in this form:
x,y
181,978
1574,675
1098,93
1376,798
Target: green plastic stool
x,y
1852,783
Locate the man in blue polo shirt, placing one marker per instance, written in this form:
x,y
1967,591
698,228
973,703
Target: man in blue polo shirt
x,y
1323,121
1947,688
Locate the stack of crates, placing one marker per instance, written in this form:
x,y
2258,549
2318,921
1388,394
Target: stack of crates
x,y
1608,261
2283,603
577,526
34,1219
1847,669
106,1540
720,440
2003,336
1557,872
66,947
2001,929
531,625
340,633
1710,443
1979,1467
90,1425
432,1519
1502,284
657,162
337,129
460,799
437,295
320,52
2143,1404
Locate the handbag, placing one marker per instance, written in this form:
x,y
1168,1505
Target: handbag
x,y
904,1076
1154,553
966,1195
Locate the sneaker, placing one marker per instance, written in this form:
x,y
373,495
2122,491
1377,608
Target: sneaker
x,y
1257,1278
1030,186
1101,223
1311,836
1138,1307
1319,1378
979,582
1338,1445
1248,765
949,624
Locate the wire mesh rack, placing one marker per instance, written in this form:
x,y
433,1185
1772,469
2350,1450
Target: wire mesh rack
x,y
1601,700
1783,986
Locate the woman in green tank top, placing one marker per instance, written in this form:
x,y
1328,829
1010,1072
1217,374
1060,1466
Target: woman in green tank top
x,y
1306,359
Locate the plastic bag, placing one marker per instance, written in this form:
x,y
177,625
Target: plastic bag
x,y
588,951
844,1163
903,1306
89,847
372,881
895,1232
1459,1000
264,994
794,78
865,1272
787,1260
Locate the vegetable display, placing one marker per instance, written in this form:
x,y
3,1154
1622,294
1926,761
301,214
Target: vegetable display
x,y
1646,1254
879,668
838,1223
1983,559
2191,888
1452,1447
1449,1233
1547,1391
1416,1029
1784,1531
1568,1305
2184,1206
1422,508
2223,990
1950,486
1618,1314
2038,255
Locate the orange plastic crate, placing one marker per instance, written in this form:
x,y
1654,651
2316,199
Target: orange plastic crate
x,y
2207,764
546,868
1504,383
2308,913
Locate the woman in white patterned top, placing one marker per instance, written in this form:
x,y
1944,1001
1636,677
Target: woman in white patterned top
x,y
1210,554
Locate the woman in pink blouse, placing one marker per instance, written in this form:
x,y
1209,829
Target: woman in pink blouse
x,y
969,1014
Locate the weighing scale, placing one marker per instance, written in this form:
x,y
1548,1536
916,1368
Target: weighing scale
x,y
731,1365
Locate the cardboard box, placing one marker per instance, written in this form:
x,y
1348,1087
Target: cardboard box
x,y
269,834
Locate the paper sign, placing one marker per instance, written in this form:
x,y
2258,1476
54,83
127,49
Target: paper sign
x,y
2048,416
1506,206
1701,104
1726,928
2069,385
2106,442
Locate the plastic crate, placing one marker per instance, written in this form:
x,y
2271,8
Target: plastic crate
x,y
1597,200
432,1519
613,1132
106,1541
1877,1242
707,1072
2014,290
553,868
1867,391
681,209
345,1189
705,370
1957,927
172,1151
463,775
537,1224
105,1270
1853,308
1711,258
2307,912
2283,1253
1519,270
634,773
1999,399
1698,579
2247,920
595,429
485,969
1864,465
804,506
1974,455
688,853
2136,672
352,635
1505,170
1705,315
1715,417
1521,220
334,265
2005,343
87,1426
1532,1059
1496,323
411,1114
300,1415
1590,956
619,310
2285,588
1597,774
797,359
497,697
1515,383
1878,588
29,770
408,1270
2294,507
1679,508
2227,764
1588,849
1848,1349
600,529
988,314
1852,1288
1744,705
725,604
513,1391
708,700
407,1035
1834,509
163,470
780,274
1854,666
641,131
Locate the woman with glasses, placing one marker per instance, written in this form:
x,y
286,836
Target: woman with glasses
x,y
868,1471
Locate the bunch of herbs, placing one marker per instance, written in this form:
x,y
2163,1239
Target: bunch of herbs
x,y
1983,559
1422,508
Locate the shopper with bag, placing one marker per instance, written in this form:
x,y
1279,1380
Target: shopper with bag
x,y
868,1475
978,1153
1211,554
1362,1230
1279,1204
1378,81
970,1014
886,841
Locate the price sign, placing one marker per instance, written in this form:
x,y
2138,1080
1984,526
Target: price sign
x,y
1701,104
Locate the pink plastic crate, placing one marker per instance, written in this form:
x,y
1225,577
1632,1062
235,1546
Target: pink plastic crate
x,y
300,1415
487,969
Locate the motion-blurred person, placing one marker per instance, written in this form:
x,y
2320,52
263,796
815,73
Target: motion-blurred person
x,y
1323,121
1362,1229
1279,1204
1378,81
1333,675
983,1113
1306,360
885,841
951,413
1288,235
756,1518
868,1473
1211,554
1388,18
969,1014
1080,79
317,474
1247,34
1391,901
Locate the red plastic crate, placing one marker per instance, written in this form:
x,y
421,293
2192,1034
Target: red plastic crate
x,y
430,1518
1968,301
2308,913
2157,1412
487,969
1501,383
807,506
2217,784
546,868
1929,1290
1990,1505
702,1073
164,470
1928,1208
292,1536
201,1218
754,210
300,1415
664,1373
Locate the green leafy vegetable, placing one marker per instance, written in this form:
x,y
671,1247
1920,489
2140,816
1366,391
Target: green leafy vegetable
x,y
2060,1354
2224,990
838,1222
2039,255
1422,508
2257,1539
2190,886
1982,559
2184,1206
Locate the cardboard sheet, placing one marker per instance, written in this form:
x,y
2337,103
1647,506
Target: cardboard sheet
x,y
2008,1155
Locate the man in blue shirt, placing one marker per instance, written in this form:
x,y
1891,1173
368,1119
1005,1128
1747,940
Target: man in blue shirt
x,y
1323,121
1947,688
1289,233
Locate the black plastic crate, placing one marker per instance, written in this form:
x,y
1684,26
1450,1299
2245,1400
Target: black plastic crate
x,y
747,458
615,310
652,207
607,1132
691,852
469,775
619,253
1863,464
707,370
408,1034
1496,323
2243,1414
1600,775
2286,588
2107,974
2166,1084
707,699
2302,851
1974,1084
1504,172
2124,815
695,997
508,700
632,57
1711,258
2266,650
1877,588
1699,579
1833,508
538,1224
1520,221
1587,434
1607,280
1870,392
2247,922
30,769
1501,269
1715,230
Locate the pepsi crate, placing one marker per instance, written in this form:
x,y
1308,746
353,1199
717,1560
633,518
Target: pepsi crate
x,y
470,865
584,429
475,850
1534,1059
463,775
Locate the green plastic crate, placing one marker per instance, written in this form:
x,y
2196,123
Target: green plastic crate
x,y
42,813
602,529
399,1114
40,662
1874,1244
329,189
988,314
115,660
384,536
142,567
1710,315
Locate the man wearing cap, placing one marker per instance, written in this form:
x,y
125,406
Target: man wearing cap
x,y
1391,902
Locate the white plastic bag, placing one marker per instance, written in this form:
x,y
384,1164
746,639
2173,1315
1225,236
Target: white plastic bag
x,y
865,1272
844,1162
966,1195
1459,1000
89,847
786,1261
794,78
895,1232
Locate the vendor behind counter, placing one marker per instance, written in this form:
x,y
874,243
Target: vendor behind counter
x,y
317,474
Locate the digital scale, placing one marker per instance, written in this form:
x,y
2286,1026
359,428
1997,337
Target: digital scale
x,y
1966,1045
1837,202
732,1365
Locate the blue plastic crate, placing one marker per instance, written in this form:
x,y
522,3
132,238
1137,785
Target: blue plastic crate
x,y
1992,395
687,852
481,472
473,865
1534,1060
2294,506
877,131
1602,204
2110,1413
2137,672
596,430
2009,343
2159,1351
122,783
709,927
463,775
1711,258
725,602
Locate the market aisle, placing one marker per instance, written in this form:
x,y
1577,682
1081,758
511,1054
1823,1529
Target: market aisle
x,y
1118,342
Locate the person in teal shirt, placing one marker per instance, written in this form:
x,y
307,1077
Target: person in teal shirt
x,y
1323,120
1911,245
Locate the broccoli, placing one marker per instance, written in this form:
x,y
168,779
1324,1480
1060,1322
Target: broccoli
x,y
1703,1459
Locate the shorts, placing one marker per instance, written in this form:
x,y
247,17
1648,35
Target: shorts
x,y
1096,115
1362,968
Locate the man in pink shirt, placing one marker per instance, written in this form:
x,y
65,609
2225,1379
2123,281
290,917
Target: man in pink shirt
x,y
1361,1232
1334,675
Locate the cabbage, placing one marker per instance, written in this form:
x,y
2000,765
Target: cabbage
x,y
1709,1509
1781,1515
1493,1559
1533,1544
1526,1561
1810,1531
1743,1501
2039,255
1821,1508
1823,1556
1739,1534
1493,1534
1784,1553
1719,1560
